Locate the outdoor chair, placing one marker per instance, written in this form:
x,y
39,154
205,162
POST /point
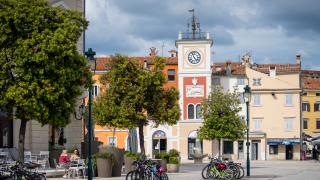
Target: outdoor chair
x,y
4,156
77,169
43,158
27,156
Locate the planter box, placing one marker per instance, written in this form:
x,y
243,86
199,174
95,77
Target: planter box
x,y
173,168
118,155
104,167
128,164
163,163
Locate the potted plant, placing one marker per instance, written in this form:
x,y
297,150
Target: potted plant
x,y
129,157
174,161
105,162
164,159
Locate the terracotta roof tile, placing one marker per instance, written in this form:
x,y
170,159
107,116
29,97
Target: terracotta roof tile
x,y
310,79
220,69
102,61
310,83
239,69
280,68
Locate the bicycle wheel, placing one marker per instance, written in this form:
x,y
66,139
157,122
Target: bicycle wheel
x,y
241,172
234,169
132,175
163,176
227,174
39,177
207,172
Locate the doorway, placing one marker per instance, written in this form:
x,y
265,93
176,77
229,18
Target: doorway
x,y
159,142
194,144
240,150
6,132
254,150
289,152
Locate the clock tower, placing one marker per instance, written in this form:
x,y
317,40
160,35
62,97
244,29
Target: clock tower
x,y
194,67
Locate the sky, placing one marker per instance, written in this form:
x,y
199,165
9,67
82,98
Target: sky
x,y
272,31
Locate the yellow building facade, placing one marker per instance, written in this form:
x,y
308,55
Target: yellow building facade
x,y
310,110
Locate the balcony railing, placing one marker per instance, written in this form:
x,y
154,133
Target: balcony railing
x,y
194,36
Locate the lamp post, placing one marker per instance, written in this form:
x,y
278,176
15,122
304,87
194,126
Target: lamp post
x,y
247,96
90,55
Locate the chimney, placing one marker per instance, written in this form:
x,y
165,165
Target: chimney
x,y
173,53
145,64
228,68
298,59
272,71
153,51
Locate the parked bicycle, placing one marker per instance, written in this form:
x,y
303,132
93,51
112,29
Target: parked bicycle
x,y
222,170
18,171
147,170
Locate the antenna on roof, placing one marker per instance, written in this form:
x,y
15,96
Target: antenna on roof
x,y
195,24
162,49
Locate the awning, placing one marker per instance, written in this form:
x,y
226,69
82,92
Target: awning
x,y
315,142
283,141
315,138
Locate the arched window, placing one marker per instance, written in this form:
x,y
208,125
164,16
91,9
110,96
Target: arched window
x,y
190,111
198,111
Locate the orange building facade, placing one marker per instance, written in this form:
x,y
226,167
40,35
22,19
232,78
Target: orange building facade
x,y
118,137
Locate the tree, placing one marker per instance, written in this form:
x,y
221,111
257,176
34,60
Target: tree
x,y
134,93
41,71
220,114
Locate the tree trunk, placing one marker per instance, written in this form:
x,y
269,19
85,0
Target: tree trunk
x,y
22,135
219,149
141,139
53,137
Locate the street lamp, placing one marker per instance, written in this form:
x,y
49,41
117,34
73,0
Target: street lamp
x,y
247,96
90,55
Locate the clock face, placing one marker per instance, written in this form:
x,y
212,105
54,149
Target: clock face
x,y
194,57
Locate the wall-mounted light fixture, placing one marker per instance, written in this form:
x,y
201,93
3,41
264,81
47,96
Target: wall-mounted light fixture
x,y
273,94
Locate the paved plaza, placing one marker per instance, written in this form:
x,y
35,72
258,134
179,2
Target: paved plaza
x,y
293,170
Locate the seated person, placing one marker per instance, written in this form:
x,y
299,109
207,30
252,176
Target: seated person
x,y
64,158
75,156
64,161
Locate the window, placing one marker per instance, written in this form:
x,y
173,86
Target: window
x,y
318,94
305,123
95,90
198,111
240,81
241,98
257,124
288,100
316,106
288,124
190,111
215,81
273,149
112,141
304,94
256,100
171,75
227,147
257,81
318,123
305,107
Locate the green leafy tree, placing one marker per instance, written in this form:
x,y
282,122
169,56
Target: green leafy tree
x,y
220,114
134,93
41,72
